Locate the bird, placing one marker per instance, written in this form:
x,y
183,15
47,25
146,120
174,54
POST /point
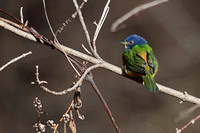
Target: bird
x,y
139,61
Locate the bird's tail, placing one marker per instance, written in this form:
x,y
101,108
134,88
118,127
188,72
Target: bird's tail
x,y
149,82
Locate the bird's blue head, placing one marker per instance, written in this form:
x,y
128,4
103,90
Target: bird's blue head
x,y
133,40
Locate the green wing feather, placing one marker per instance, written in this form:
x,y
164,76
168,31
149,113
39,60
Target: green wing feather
x,y
133,62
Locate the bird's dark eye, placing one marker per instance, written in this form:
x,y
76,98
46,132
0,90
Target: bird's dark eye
x,y
131,42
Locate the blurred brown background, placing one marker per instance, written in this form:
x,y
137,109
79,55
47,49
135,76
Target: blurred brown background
x,y
172,29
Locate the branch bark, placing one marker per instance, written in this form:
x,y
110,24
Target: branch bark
x,y
24,32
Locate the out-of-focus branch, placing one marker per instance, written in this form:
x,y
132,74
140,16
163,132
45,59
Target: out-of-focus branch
x,y
188,124
24,32
185,113
115,26
15,59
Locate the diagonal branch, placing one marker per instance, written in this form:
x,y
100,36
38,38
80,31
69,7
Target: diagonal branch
x,y
24,32
100,23
115,26
15,59
85,29
91,81
78,83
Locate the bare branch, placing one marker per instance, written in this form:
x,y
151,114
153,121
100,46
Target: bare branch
x,y
190,123
115,26
78,83
83,24
85,29
187,112
56,40
69,20
14,60
21,15
86,49
91,81
45,11
100,23
22,32
185,97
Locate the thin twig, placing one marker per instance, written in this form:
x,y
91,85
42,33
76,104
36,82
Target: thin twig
x,y
47,18
23,32
188,124
69,20
115,26
83,24
55,38
61,119
85,29
100,23
91,81
10,15
15,59
78,83
21,15
86,49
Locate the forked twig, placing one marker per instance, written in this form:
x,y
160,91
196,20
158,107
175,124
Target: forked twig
x,y
55,129
100,23
56,40
85,29
83,24
15,59
78,83
115,26
76,104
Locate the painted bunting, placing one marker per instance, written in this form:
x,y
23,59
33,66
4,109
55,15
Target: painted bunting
x,y
139,61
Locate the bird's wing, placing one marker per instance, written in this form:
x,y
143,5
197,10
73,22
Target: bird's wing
x,y
152,61
134,62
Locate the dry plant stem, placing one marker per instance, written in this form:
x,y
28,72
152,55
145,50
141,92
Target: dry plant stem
x,y
69,108
83,23
78,83
56,40
191,122
134,11
187,112
85,29
46,15
100,23
15,59
24,33
91,81
69,20
21,15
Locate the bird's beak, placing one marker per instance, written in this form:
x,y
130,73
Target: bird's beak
x,y
124,42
